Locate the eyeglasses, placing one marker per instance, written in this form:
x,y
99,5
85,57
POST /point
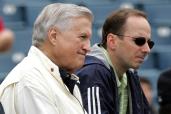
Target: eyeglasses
x,y
140,41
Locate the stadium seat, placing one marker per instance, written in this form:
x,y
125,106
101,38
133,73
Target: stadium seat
x,y
22,41
13,16
1,109
101,11
88,2
158,13
161,35
96,34
32,11
6,63
163,57
150,61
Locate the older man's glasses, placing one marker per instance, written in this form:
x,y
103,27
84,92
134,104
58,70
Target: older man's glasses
x,y
140,41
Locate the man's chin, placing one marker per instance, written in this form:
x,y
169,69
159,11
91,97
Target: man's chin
x,y
136,66
77,67
80,65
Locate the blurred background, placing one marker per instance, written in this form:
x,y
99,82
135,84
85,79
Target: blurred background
x,y
19,16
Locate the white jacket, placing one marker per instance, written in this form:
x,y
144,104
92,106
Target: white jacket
x,y
35,86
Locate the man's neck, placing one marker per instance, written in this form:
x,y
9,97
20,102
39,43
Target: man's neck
x,y
119,68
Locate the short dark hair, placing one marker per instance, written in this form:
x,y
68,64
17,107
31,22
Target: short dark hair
x,y
116,20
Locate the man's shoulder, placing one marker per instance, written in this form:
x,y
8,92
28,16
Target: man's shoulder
x,y
93,64
89,60
94,68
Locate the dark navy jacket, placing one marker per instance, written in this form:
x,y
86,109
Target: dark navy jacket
x,y
100,93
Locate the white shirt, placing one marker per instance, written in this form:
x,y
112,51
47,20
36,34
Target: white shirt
x,y
35,86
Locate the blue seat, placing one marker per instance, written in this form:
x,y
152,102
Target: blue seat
x,y
32,11
149,62
163,57
161,37
23,39
9,60
96,34
1,109
158,13
87,2
6,63
101,11
13,15
2,77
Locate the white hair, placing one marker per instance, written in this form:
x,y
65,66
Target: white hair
x,y
59,15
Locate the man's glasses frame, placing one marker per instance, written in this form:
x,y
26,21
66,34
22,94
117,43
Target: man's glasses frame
x,y
140,41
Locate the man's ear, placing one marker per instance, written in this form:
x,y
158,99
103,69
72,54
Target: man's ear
x,y
111,41
52,35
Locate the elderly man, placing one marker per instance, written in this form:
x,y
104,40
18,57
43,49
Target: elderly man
x,y
43,82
